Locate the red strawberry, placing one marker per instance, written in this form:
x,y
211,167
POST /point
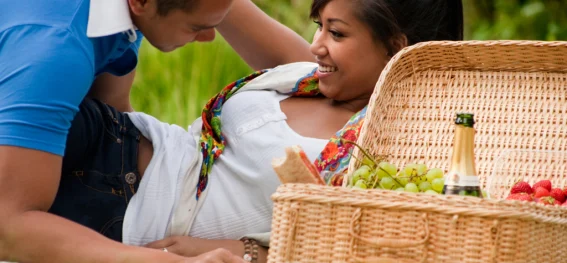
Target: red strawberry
x,y
541,192
565,191
521,187
543,183
548,200
558,195
520,197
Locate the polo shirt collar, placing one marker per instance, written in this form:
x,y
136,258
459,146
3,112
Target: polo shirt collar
x,y
108,17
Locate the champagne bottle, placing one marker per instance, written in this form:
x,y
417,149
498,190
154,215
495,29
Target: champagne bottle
x,y
462,178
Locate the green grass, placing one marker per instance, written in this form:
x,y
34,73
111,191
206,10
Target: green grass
x,y
173,87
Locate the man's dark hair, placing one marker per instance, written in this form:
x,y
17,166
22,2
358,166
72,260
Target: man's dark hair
x,y
165,6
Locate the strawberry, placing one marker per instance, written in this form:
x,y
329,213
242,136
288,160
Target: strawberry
x,y
521,187
565,191
547,200
541,192
543,183
520,197
557,194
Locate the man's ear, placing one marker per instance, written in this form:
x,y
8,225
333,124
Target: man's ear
x,y
142,7
398,43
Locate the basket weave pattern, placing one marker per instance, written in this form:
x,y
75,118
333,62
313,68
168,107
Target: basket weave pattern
x,y
334,224
518,93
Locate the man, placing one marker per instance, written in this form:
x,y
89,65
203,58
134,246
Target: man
x,y
52,54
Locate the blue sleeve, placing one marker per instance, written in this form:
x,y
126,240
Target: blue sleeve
x,y
45,72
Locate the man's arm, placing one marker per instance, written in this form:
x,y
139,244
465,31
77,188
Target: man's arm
x,y
260,40
44,74
114,90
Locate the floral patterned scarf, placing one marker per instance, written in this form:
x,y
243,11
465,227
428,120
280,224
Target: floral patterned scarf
x,y
333,160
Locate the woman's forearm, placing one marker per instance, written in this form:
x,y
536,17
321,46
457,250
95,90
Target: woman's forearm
x,y
260,40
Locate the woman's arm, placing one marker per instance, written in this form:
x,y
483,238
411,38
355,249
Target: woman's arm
x,y
114,90
260,40
191,246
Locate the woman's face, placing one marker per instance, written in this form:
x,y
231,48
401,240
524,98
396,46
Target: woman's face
x,y
350,59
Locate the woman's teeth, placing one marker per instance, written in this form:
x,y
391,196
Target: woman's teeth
x,y
327,69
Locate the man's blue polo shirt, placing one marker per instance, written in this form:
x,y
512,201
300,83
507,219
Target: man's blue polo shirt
x,y
47,66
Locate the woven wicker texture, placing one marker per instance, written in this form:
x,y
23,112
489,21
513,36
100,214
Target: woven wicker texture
x,y
333,224
516,89
518,93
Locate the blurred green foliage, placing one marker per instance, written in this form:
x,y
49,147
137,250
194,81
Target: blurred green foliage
x,y
173,87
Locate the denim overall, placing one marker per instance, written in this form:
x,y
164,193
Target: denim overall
x,y
100,169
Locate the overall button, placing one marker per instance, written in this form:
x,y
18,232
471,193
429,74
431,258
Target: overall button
x,y
130,178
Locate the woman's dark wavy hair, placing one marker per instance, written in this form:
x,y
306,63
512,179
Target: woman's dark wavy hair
x,y
418,20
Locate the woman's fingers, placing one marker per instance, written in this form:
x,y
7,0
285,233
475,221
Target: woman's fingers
x,y
160,244
219,255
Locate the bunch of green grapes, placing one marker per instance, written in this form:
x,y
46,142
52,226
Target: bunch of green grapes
x,y
413,177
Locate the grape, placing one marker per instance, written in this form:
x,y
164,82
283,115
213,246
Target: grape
x,y
387,183
424,186
431,192
368,162
421,169
410,170
401,189
402,180
418,179
434,173
438,184
386,169
361,184
354,179
411,187
363,172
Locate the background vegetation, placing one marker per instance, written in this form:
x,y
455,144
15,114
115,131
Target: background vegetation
x,y
175,86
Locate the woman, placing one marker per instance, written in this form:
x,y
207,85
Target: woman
x,y
184,195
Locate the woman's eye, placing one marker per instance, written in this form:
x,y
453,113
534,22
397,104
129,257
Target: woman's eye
x,y
336,34
319,24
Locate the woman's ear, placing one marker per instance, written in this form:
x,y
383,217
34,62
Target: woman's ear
x,y
398,43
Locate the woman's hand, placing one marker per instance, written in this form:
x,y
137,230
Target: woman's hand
x,y
208,249
219,255
183,245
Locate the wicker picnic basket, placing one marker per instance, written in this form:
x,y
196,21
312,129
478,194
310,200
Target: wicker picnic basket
x,y
518,93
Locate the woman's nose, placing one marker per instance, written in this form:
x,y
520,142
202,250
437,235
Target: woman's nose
x,y
317,46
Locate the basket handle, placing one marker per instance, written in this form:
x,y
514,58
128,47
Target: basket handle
x,y
388,242
385,242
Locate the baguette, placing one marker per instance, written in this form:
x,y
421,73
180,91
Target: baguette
x,y
295,167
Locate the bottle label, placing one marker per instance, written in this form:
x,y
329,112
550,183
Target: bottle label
x,y
454,179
